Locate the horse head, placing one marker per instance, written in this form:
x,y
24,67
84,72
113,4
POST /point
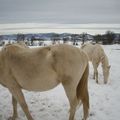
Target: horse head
x,y
106,72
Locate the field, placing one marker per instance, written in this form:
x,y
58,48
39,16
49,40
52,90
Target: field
x,y
53,104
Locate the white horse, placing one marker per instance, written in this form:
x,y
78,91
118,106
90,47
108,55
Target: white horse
x,y
97,55
41,69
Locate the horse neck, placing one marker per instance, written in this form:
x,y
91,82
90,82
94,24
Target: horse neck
x,y
105,62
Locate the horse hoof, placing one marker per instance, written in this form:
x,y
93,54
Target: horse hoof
x,y
105,82
97,82
11,118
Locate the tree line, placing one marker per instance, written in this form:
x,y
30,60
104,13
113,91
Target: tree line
x,y
108,38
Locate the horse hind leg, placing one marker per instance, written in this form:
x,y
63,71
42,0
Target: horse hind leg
x,y
82,92
73,105
72,98
85,102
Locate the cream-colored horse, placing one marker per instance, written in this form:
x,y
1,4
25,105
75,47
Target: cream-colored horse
x,y
41,69
97,55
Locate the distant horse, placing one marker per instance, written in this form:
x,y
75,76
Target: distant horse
x,y
41,69
97,55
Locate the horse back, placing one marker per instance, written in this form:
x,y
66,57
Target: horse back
x,y
94,52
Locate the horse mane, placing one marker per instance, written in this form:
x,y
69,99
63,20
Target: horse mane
x,y
104,61
103,57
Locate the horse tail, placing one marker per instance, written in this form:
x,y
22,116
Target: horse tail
x,y
82,91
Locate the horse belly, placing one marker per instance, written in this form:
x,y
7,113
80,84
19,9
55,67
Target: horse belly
x,y
40,83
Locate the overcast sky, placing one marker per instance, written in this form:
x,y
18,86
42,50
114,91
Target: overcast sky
x,y
60,11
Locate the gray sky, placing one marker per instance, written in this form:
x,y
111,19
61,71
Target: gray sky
x,y
60,11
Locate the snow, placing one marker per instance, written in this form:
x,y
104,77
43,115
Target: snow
x,y
53,104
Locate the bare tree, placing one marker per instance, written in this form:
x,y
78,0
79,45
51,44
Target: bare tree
x,y
98,38
20,37
83,37
109,37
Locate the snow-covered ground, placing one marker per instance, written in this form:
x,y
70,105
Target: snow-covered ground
x,y
53,104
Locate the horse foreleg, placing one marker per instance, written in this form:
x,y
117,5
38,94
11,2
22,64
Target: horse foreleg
x,y
15,115
14,102
18,95
95,76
